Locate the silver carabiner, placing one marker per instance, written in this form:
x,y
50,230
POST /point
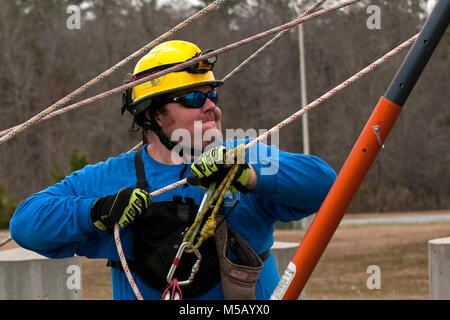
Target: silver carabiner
x,y
176,262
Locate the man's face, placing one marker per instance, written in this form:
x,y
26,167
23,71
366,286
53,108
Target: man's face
x,y
202,124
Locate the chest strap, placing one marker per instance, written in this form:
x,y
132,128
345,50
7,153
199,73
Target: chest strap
x,y
117,265
140,171
143,184
151,253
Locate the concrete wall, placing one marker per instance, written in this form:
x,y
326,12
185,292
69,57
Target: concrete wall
x,y
28,275
439,268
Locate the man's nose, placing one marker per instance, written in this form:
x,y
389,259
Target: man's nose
x,y
208,105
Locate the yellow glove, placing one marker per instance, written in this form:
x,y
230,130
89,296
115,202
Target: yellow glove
x,y
122,208
214,164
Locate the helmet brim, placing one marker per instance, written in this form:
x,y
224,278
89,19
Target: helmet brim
x,y
214,83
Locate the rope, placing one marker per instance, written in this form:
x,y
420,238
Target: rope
x,y
210,225
125,267
332,92
136,147
310,106
10,133
180,66
227,181
5,241
267,45
209,193
282,124
207,230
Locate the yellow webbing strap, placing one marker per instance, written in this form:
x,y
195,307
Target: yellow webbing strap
x,y
210,225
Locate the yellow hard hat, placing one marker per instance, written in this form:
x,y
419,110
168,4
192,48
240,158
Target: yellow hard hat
x,y
161,57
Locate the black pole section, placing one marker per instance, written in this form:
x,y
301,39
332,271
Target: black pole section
x,y
419,54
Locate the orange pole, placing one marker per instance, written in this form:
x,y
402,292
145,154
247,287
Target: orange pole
x,y
362,156
338,199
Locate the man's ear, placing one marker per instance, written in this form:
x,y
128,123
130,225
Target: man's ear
x,y
156,116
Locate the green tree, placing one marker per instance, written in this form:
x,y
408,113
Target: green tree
x,y
8,204
77,162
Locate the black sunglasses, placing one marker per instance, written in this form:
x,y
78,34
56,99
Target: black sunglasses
x,y
194,99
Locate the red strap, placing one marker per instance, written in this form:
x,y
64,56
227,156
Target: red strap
x,y
173,288
176,261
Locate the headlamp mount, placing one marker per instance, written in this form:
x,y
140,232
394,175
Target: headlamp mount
x,y
204,65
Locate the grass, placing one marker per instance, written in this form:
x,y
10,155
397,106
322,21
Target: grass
x,y
400,251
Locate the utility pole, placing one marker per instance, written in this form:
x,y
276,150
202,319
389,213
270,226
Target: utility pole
x,y
301,49
305,222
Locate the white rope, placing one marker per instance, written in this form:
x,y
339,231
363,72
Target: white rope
x,y
313,104
47,113
276,128
5,241
296,115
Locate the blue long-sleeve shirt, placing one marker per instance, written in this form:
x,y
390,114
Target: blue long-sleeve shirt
x,y
56,221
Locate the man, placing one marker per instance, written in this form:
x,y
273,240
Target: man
x,y
77,215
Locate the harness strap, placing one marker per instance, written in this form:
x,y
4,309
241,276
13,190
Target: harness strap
x,y
117,265
140,171
143,184
149,261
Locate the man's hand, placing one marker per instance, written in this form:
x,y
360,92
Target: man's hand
x,y
122,208
214,164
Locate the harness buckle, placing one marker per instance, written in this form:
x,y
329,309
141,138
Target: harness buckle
x,y
176,262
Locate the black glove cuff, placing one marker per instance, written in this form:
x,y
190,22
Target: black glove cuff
x,y
99,208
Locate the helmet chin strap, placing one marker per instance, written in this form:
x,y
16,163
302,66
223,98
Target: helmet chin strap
x,y
163,138
152,125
